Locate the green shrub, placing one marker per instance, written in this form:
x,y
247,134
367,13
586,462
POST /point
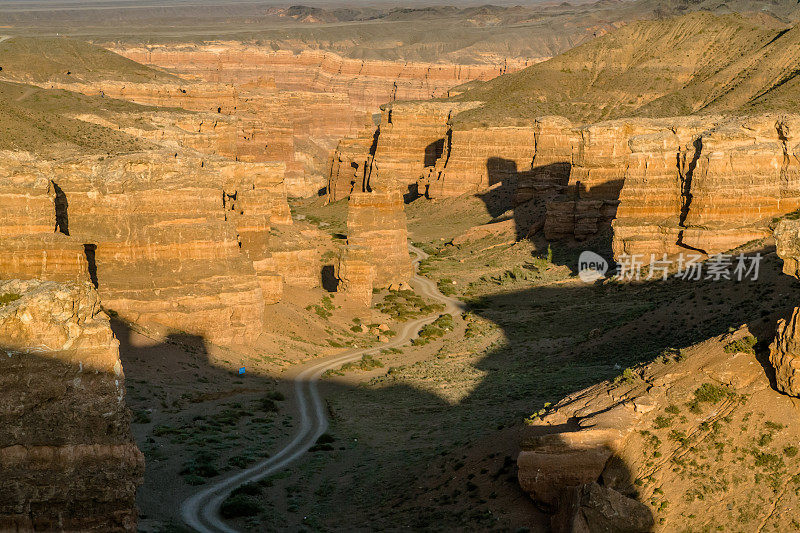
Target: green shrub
x,y
366,363
711,393
743,345
708,393
239,461
140,417
202,465
9,297
446,287
434,330
324,443
662,422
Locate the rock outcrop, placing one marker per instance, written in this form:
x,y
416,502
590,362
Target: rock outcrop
x,y
787,245
351,166
376,222
356,274
657,449
67,456
784,352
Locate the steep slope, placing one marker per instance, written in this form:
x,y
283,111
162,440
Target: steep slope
x,y
69,60
42,121
651,68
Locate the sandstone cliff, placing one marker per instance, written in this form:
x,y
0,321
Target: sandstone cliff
x,y
171,241
367,83
244,122
376,223
707,185
670,185
67,456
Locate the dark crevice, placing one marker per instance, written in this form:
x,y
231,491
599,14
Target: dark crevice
x,y
686,192
90,251
433,152
62,207
374,146
686,182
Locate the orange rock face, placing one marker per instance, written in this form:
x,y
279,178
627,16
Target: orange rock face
x,y
376,222
709,185
67,456
175,242
669,185
356,274
250,123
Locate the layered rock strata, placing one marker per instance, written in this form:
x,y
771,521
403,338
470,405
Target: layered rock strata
x,y
367,84
356,274
179,242
707,185
67,457
246,122
685,184
376,222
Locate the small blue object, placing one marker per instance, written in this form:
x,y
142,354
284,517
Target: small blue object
x,y
241,371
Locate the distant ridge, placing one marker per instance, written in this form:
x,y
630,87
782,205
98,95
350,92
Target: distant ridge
x,y
60,59
697,63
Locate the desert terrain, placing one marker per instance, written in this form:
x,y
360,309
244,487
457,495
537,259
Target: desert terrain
x,y
323,268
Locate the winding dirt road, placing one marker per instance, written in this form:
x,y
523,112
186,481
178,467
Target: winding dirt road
x,y
201,511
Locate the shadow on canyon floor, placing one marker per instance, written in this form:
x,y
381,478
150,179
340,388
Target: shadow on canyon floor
x,y
432,443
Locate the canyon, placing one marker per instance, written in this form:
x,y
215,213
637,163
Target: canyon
x,y
224,215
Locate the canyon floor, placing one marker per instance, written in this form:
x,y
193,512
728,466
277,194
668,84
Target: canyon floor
x,y
427,436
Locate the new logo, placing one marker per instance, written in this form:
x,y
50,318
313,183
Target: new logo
x,y
591,267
